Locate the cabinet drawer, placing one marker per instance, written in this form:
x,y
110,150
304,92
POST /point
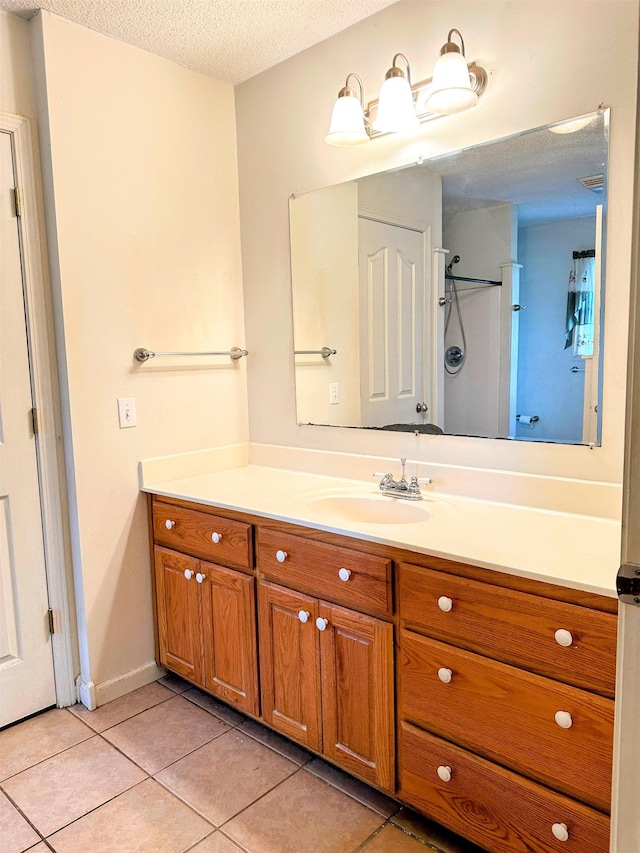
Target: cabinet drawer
x,y
510,716
316,568
491,806
196,533
563,641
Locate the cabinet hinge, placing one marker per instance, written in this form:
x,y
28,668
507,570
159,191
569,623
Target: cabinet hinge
x,y
628,583
34,421
52,626
17,201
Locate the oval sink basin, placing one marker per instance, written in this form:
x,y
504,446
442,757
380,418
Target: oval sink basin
x,y
370,509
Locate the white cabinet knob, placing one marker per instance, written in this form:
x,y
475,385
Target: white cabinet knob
x,y
445,675
188,574
344,574
169,524
216,537
200,577
281,556
445,604
564,637
564,719
321,623
304,616
444,772
560,831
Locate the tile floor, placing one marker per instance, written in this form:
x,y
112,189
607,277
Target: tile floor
x,y
166,769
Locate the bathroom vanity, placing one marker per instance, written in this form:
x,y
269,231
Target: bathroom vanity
x,y
481,697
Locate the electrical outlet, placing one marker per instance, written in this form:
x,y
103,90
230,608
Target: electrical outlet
x,y
334,393
126,412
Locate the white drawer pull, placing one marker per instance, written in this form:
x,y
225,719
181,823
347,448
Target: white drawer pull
x,y
564,637
216,537
564,719
200,577
321,623
304,616
281,556
344,574
445,603
445,675
188,574
560,831
169,524
444,772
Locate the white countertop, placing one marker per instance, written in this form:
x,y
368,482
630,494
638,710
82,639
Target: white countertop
x,y
579,551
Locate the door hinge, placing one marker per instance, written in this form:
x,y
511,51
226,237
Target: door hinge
x,y
17,201
34,421
628,583
52,626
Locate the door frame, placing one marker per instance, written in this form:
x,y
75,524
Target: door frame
x,y
44,389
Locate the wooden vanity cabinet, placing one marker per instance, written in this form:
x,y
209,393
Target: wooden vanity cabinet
x,y
205,612
500,708
327,668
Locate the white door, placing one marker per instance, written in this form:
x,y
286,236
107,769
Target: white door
x,y
392,323
26,663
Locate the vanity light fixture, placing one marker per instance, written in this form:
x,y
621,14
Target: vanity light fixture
x,y
396,108
347,119
455,86
451,89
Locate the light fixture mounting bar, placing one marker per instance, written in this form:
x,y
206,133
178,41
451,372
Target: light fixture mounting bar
x,y
479,83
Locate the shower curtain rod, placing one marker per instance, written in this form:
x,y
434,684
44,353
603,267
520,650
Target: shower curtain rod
x,y
586,253
475,280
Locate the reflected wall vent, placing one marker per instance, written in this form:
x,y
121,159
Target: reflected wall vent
x,y
595,183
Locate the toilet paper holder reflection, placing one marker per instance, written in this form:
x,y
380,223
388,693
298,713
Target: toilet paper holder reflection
x,y
528,420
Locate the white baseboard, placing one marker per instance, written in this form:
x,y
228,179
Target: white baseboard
x,y
93,695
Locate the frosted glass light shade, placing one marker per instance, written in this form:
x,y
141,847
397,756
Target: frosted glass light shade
x,y
396,109
451,90
347,122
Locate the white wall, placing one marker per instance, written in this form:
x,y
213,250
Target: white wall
x,y
534,79
141,178
546,386
483,239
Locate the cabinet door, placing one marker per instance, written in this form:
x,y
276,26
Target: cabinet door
x,y
357,693
290,663
229,635
179,615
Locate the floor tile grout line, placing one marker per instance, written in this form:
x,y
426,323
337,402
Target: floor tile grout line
x,y
23,815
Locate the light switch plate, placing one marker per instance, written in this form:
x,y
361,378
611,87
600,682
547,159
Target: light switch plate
x,y
126,412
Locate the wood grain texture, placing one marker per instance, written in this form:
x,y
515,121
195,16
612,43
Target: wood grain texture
x,y
506,714
357,694
192,531
495,808
229,636
290,664
313,568
512,626
179,614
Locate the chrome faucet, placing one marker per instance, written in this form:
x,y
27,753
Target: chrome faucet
x,y
408,490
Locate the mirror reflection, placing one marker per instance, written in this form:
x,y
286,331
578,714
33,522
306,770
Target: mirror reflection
x,y
460,295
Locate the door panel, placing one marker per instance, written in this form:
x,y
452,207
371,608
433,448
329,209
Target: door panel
x,y
290,664
26,663
392,292
357,693
229,636
179,614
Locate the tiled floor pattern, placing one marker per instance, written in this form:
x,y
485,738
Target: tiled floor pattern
x,y
166,769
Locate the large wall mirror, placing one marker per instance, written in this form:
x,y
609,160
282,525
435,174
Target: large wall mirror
x,y
459,295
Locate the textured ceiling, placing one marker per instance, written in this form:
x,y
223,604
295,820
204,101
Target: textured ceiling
x,y
229,40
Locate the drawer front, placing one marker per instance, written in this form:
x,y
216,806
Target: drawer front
x,y
196,533
510,716
569,643
491,806
315,568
